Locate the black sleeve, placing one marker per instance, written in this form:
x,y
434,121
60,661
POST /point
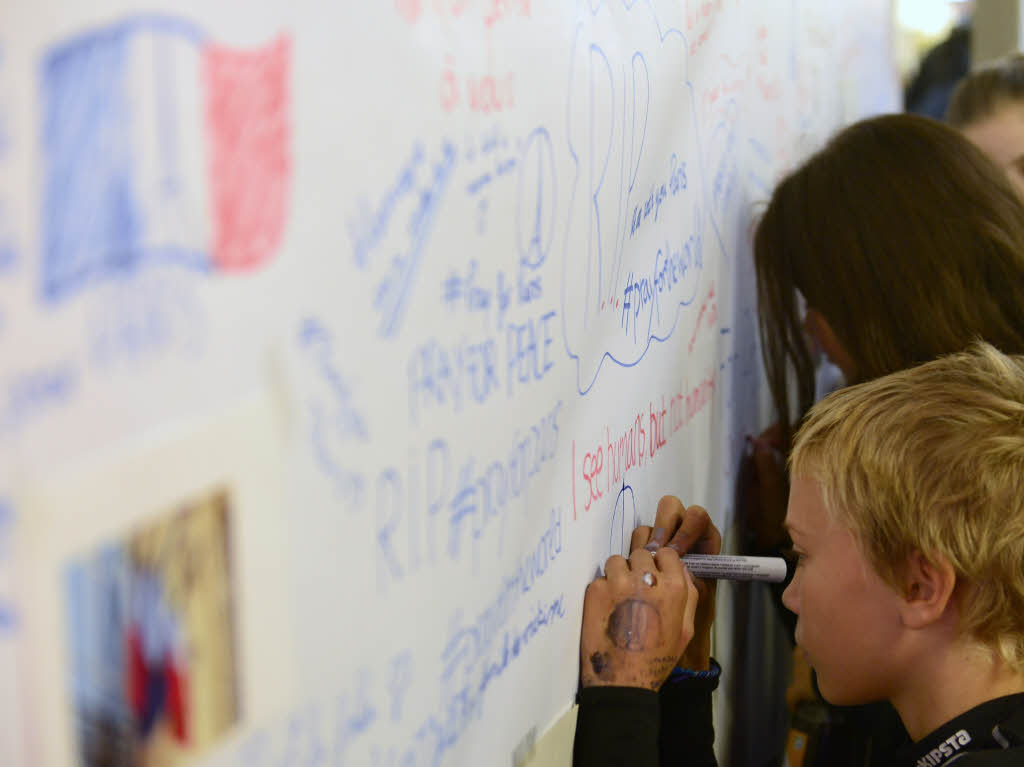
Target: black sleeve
x,y
687,732
616,727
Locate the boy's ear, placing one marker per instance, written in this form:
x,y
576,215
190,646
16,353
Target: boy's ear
x,y
927,590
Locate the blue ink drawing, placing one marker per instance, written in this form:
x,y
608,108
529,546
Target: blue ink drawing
x,y
624,521
8,614
469,672
93,218
134,320
125,109
33,393
537,200
367,229
610,100
334,418
395,290
8,257
6,528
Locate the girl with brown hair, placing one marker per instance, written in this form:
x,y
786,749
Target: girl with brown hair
x,y
904,241
898,242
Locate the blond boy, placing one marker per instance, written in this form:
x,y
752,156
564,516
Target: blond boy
x,y
907,518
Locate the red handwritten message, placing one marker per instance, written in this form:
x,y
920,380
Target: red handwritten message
x,y
601,465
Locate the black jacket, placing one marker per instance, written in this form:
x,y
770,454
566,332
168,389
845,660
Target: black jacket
x,y
625,726
988,735
631,727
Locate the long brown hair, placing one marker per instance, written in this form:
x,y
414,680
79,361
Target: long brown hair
x,y
905,237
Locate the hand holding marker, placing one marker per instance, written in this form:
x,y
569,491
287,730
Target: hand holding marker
x,y
682,529
690,529
736,567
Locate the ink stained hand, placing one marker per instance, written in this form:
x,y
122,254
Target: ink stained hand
x,y
634,625
600,662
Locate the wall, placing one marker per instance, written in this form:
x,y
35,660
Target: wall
x,y
338,348
997,28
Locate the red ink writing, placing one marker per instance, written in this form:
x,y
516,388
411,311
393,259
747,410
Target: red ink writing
x,y
707,317
479,93
650,429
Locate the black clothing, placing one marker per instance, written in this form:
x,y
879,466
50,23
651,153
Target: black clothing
x,y
631,727
853,736
988,735
620,726
848,736
616,727
941,69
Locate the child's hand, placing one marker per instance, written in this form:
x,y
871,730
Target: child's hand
x,y
637,620
687,531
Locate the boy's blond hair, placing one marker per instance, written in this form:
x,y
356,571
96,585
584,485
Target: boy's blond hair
x,y
932,459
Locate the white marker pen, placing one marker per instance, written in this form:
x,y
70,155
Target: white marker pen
x,y
734,567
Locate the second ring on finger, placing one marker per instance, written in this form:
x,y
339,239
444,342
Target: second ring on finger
x,y
641,559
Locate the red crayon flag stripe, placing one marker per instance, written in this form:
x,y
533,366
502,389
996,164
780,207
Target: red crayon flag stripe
x,y
246,115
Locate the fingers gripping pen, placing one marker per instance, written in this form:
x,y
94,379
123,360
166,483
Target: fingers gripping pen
x,y
736,567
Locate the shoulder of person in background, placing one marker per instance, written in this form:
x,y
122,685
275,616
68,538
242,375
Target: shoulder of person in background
x,y
930,90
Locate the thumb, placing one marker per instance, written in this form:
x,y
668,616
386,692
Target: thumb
x,y
689,610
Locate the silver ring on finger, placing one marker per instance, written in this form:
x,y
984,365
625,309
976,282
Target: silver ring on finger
x,y
648,578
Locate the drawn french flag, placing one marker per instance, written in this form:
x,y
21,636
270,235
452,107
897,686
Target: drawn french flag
x,y
161,145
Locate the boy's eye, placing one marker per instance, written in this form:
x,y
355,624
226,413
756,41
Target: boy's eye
x,y
793,556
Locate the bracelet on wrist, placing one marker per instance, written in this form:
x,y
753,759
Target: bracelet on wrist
x,y
712,672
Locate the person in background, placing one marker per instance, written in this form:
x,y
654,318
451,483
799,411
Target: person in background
x,y
907,519
896,243
899,241
988,108
942,67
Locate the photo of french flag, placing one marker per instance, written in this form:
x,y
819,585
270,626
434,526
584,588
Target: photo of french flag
x,y
160,145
